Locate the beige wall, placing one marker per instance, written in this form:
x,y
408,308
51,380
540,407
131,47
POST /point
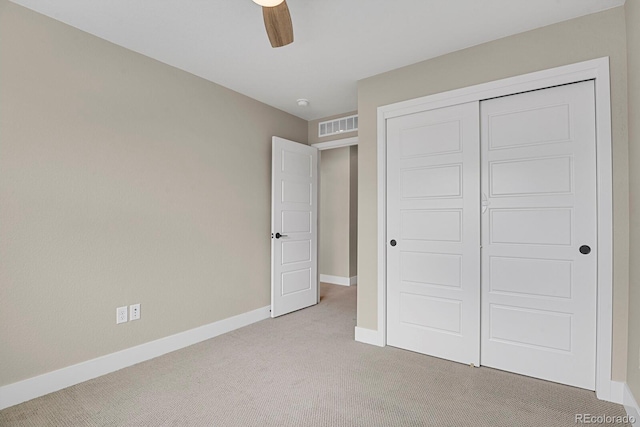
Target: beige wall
x,y
633,49
334,212
339,211
353,211
122,180
581,39
313,129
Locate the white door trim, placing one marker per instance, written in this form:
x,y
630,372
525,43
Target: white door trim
x,y
598,70
338,143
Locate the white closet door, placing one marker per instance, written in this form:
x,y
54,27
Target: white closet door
x,y
433,231
538,289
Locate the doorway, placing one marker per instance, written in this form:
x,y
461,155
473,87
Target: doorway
x,y
338,212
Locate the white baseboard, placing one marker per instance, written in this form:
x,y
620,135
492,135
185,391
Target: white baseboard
x,y
617,393
369,336
339,280
31,388
631,405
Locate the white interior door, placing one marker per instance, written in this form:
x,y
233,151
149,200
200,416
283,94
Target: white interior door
x,y
433,233
294,219
538,281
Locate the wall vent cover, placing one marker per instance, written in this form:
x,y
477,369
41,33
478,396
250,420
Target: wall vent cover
x,y
337,126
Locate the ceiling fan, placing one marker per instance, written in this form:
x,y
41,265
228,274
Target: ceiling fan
x,y
277,21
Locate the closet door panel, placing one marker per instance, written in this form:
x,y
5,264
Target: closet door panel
x,y
539,191
433,208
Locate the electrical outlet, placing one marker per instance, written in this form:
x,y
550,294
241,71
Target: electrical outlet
x,y
121,314
134,311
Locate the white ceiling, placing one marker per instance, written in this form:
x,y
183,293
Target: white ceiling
x,y
337,42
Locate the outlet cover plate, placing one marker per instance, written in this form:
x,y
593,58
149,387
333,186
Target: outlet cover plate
x,y
121,315
134,311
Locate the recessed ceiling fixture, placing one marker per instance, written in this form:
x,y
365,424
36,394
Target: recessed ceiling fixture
x,y
277,21
303,102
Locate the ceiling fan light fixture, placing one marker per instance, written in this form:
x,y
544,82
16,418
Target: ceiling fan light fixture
x,y
268,3
277,22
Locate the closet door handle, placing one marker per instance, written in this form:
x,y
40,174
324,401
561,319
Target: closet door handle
x,y
585,250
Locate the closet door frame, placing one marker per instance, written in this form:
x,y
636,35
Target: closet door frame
x,y
597,70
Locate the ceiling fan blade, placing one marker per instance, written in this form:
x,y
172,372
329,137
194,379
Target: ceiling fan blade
x,y
277,22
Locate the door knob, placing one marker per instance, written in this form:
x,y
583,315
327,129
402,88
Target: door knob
x,y
584,249
278,235
392,243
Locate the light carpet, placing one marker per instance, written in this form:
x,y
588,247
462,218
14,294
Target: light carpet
x,y
305,369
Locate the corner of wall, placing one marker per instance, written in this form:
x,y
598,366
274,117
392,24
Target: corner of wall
x,y
632,16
